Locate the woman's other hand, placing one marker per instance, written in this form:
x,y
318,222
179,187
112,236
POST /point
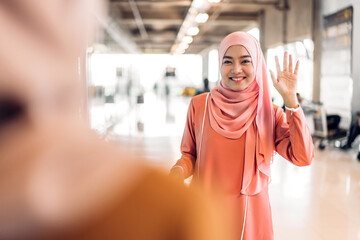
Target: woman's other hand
x,y
177,173
285,83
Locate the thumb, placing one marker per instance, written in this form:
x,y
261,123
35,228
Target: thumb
x,y
273,77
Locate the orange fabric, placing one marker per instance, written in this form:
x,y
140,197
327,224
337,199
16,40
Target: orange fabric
x,y
233,113
60,181
223,163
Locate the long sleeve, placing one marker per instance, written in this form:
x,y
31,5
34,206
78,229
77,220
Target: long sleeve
x,y
292,137
188,144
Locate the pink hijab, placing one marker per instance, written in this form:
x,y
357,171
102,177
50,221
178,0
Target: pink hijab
x,y
249,112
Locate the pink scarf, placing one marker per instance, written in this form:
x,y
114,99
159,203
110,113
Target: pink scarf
x,y
248,112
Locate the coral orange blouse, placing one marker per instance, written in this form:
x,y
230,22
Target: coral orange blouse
x,y
221,167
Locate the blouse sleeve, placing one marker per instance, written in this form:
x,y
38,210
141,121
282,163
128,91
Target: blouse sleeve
x,y
188,144
292,137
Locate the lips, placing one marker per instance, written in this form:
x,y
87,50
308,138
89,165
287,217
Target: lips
x,y
237,78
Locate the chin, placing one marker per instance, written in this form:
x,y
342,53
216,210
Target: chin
x,y
239,88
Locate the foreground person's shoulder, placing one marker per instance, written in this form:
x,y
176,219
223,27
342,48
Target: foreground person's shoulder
x,y
158,207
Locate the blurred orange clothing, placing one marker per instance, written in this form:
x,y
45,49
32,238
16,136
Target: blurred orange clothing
x,y
221,168
58,180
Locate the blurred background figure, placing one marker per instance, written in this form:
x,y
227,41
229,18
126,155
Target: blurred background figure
x,y
299,98
354,131
206,87
58,180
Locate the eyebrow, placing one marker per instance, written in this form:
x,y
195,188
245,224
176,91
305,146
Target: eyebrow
x,y
244,56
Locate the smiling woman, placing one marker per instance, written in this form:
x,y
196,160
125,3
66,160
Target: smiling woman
x,y
232,132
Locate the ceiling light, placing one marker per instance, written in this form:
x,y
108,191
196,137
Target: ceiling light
x,y
193,10
188,39
186,23
202,17
179,51
189,26
183,45
214,1
193,31
198,4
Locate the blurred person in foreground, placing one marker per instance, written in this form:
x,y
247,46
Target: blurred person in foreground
x,y
232,132
58,180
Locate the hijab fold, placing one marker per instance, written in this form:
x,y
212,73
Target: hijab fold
x,y
250,112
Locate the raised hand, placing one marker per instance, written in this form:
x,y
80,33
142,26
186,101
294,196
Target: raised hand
x,y
285,83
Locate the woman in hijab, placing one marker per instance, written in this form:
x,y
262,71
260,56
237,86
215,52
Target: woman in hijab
x,y
232,132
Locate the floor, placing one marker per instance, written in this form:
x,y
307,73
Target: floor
x,y
321,201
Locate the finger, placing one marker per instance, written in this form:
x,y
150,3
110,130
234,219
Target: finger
x,y
285,68
273,77
290,64
277,64
297,67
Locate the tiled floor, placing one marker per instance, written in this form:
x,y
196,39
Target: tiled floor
x,y
321,201
318,202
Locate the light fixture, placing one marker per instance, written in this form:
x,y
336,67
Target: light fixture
x,y
193,31
202,17
214,1
179,51
195,16
187,39
186,23
183,45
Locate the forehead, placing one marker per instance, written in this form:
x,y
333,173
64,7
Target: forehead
x,y
236,50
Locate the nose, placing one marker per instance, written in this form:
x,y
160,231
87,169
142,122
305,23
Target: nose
x,y
237,68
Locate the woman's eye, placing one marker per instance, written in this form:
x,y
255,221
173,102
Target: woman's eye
x,y
245,61
227,62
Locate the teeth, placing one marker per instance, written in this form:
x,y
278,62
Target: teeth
x,y
237,79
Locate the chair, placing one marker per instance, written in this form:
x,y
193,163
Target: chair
x,y
326,127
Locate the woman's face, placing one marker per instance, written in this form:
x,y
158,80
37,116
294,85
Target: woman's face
x,y
237,70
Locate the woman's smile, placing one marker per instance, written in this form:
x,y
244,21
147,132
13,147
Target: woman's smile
x,y
237,78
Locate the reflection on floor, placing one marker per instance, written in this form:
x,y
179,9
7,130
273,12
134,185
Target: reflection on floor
x,y
319,202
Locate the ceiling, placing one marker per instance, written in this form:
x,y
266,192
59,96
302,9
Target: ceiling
x,y
150,26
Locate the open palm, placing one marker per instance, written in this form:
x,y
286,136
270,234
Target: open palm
x,y
285,83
